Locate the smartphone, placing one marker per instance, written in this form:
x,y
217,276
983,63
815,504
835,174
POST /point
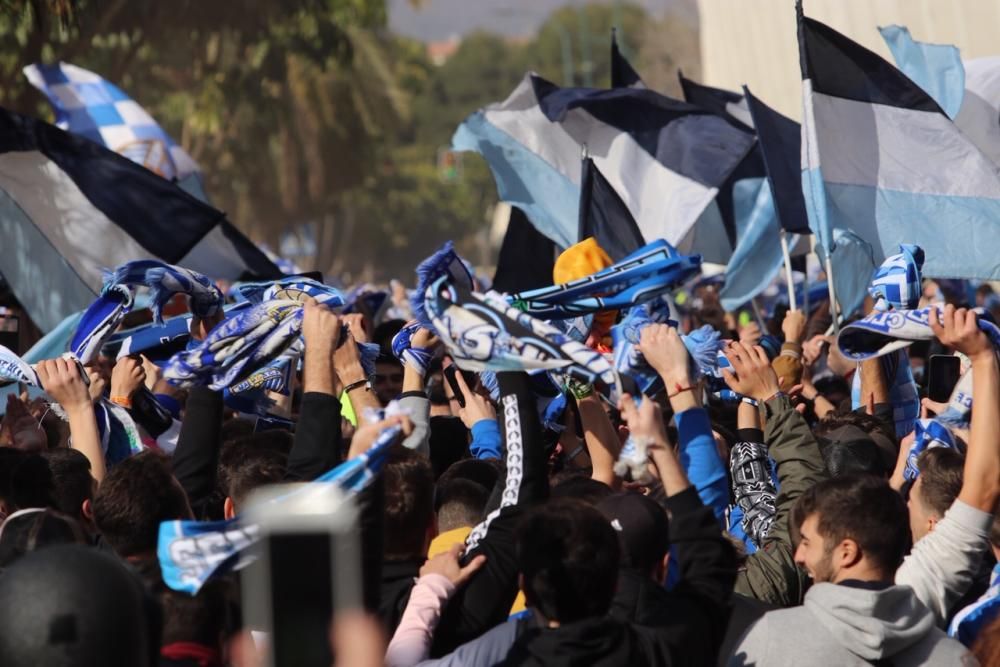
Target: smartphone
x,y
308,567
449,375
942,376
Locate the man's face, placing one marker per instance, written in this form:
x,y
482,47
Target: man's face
x,y
812,554
388,381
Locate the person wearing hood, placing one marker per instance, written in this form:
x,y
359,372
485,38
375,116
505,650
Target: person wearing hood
x,y
854,532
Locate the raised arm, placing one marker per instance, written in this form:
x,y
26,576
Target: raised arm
x,y
750,472
487,599
665,352
63,382
317,444
770,574
600,437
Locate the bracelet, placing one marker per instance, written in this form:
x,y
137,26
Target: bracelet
x,y
678,389
366,383
749,401
579,390
124,401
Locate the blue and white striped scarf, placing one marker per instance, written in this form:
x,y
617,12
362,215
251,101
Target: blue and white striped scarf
x,y
193,552
164,280
896,283
645,274
100,320
292,289
927,434
445,263
482,332
417,358
238,346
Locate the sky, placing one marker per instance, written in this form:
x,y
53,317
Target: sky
x,y
440,19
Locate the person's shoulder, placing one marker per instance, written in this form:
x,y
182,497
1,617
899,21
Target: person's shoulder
x,y
941,649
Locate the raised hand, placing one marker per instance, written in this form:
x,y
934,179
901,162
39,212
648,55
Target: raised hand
x,y
127,377
664,350
62,381
959,330
751,374
448,565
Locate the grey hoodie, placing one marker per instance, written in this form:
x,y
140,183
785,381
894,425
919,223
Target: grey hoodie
x,y
850,625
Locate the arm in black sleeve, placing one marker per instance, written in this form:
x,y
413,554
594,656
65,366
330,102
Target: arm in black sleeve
x,y
196,458
707,563
317,445
487,599
149,414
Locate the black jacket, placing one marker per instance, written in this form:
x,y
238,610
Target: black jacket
x,y
649,625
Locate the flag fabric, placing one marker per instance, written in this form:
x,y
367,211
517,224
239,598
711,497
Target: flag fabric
x,y
724,103
968,91
604,216
780,142
205,299
623,75
70,208
526,256
666,159
882,160
88,105
937,68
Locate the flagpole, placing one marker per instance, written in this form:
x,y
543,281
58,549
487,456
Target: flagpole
x,y
758,316
790,280
833,295
805,282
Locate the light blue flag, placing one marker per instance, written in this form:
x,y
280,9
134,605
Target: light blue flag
x,y
853,266
884,162
757,258
937,68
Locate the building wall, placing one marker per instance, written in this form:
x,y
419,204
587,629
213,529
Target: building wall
x,y
754,42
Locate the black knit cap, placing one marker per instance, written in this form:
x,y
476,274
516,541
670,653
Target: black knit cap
x,y
642,527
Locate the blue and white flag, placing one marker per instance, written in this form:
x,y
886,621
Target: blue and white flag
x,y
968,91
88,105
881,159
192,552
69,208
164,281
666,159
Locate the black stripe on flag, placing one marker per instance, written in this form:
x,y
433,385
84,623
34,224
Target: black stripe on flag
x,y
780,141
526,256
712,99
623,75
604,216
703,148
841,67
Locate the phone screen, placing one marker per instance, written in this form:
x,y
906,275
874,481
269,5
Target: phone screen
x,y
301,583
449,375
942,376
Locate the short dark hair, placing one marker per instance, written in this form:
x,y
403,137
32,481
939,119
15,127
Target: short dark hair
x,y
461,503
941,471
25,480
34,530
72,480
851,457
568,555
573,484
253,461
135,496
863,508
409,503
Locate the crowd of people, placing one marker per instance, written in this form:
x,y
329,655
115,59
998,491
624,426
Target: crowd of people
x,y
801,508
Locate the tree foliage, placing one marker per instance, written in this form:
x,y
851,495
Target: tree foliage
x,y
309,113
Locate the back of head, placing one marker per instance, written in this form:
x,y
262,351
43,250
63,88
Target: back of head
x,y
580,486
853,426
941,471
409,504
568,556
460,503
863,508
642,527
32,529
72,606
484,472
449,442
134,498
71,477
248,463
851,457
25,480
